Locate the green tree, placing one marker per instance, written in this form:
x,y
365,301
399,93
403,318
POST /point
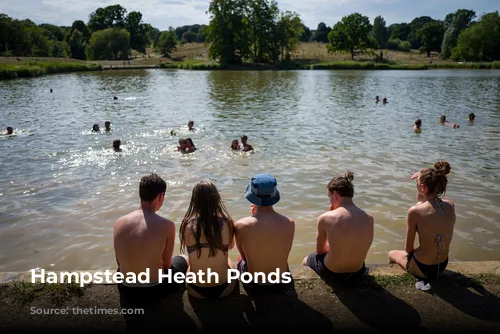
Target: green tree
x,y
321,33
287,35
77,39
306,34
380,32
108,17
228,31
189,37
431,36
109,44
351,34
153,34
454,24
399,31
139,39
167,42
481,41
415,25
261,16
201,35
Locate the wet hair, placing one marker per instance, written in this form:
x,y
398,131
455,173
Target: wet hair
x,y
204,216
472,116
244,137
151,186
190,123
117,143
95,127
342,185
107,123
189,140
235,140
418,122
435,178
443,118
10,129
182,141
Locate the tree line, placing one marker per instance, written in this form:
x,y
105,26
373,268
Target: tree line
x,y
253,31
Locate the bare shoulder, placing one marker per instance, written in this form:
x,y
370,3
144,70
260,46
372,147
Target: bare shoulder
x,y
243,222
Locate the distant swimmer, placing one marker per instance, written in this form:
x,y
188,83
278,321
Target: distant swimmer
x,y
235,146
182,145
190,146
96,128
172,133
418,126
116,145
10,130
471,117
244,146
377,99
190,126
51,90
445,122
115,98
107,125
384,101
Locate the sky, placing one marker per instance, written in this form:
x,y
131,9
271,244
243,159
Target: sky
x,y
164,13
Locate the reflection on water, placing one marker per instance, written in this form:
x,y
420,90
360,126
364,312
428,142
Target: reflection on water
x,y
62,186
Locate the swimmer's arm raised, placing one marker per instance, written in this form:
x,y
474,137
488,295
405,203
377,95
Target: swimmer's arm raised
x,y
322,245
411,230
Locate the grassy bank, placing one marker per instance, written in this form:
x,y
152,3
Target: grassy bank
x,y
36,69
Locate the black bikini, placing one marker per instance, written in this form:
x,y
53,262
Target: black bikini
x,y
208,292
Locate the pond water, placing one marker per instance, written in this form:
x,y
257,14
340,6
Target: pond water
x,y
62,187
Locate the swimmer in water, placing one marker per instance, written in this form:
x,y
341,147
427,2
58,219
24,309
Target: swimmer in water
x,y
384,101
244,146
190,126
190,146
96,128
10,130
107,125
235,145
116,145
445,122
182,145
418,126
115,98
377,99
471,117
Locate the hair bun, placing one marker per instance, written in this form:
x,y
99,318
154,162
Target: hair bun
x,y
442,167
349,176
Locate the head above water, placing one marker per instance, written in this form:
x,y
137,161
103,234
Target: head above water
x,y
472,116
234,144
152,190
116,144
10,130
341,187
95,127
107,125
206,212
443,118
262,190
190,124
244,139
418,123
433,181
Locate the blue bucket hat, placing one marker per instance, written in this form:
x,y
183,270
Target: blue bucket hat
x,y
262,190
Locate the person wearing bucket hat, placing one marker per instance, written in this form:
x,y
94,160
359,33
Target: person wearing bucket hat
x,y
345,234
264,239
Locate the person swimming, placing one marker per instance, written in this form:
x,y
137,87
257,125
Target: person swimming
x,y
182,145
190,126
116,145
115,98
96,128
418,126
190,146
235,146
471,117
107,125
244,146
10,130
377,99
384,101
445,122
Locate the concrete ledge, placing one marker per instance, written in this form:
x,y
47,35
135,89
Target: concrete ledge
x,y
305,273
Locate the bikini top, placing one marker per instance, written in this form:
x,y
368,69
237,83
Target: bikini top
x,y
193,248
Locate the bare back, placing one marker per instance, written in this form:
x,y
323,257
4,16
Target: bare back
x,y
143,240
217,264
350,233
434,225
265,240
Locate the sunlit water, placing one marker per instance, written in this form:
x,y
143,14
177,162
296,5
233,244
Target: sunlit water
x,y
62,187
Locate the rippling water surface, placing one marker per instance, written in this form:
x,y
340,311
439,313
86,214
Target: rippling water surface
x,y
62,187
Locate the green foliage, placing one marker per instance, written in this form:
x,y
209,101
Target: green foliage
x,y
189,37
380,32
287,37
431,36
415,25
321,33
455,23
496,65
399,31
35,69
404,46
481,41
263,33
352,35
139,34
109,44
167,42
306,34
109,17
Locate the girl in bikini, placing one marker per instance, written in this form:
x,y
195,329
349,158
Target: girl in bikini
x,y
434,220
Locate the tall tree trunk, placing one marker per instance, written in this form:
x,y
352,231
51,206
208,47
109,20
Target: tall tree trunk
x,y
352,54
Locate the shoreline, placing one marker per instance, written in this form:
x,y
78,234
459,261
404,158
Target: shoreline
x,y
466,297
10,72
